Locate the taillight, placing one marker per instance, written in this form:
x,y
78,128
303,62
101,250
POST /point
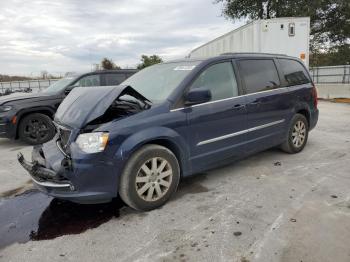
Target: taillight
x,y
314,95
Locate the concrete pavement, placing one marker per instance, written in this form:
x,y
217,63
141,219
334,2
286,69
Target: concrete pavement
x,y
269,207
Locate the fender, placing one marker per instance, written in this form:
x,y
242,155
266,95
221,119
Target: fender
x,y
134,142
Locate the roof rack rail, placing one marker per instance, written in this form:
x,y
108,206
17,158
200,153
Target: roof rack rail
x,y
250,53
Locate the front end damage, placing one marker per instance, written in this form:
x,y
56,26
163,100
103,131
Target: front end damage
x,y
41,175
60,168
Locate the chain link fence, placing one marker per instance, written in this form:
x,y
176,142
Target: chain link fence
x,y
25,86
331,74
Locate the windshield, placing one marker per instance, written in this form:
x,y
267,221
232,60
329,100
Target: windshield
x,y
158,81
59,85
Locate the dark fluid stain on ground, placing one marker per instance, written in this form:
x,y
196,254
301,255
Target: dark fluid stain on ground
x,y
243,259
12,192
16,191
35,216
191,185
334,196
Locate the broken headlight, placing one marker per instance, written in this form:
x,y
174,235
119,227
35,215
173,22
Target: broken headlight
x,y
92,142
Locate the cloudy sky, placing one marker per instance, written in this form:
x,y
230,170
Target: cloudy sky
x,y
71,35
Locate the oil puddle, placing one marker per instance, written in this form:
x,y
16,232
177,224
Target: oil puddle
x,y
35,216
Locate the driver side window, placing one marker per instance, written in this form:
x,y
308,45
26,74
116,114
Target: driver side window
x,y
219,79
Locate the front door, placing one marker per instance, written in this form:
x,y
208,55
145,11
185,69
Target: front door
x,y
215,127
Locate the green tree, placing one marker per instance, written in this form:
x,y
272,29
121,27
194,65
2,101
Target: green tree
x,y
330,19
108,64
338,55
149,60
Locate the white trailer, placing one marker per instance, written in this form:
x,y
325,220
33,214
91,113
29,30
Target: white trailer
x,y
287,35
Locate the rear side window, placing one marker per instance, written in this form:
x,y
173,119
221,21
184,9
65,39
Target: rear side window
x,y
127,75
114,79
294,73
90,80
219,79
259,74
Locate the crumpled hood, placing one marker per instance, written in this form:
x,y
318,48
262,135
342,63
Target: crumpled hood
x,y
21,96
85,104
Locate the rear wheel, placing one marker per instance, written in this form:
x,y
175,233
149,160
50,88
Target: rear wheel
x,y
150,177
297,135
36,129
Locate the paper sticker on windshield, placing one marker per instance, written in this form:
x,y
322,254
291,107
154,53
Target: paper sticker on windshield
x,y
184,68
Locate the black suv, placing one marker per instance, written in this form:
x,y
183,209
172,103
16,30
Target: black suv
x,y
29,116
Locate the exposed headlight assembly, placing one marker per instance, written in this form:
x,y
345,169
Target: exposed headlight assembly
x,y
5,108
92,142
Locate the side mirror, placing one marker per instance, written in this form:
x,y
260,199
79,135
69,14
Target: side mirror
x,y
197,96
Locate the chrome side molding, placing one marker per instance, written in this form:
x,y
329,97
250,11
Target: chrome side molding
x,y
215,139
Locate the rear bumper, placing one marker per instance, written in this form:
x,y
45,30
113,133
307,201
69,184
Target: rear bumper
x,y
314,118
85,181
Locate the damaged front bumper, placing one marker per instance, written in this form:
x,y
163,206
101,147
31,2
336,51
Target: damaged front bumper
x,y
42,176
84,178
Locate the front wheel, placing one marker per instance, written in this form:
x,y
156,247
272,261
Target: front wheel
x,y
150,177
297,135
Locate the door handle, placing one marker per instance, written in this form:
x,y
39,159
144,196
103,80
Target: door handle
x,y
255,103
238,107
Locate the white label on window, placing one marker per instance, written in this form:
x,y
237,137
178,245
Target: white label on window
x,y
184,68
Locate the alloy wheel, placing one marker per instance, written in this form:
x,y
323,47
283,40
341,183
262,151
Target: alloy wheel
x,y
154,179
36,130
299,134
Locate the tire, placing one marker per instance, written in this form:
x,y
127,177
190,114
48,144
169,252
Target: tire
x,y
140,167
296,140
35,129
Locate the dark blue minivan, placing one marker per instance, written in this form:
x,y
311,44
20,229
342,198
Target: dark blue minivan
x,y
172,120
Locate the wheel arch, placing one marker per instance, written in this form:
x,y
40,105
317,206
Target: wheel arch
x,y
162,136
305,113
173,147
